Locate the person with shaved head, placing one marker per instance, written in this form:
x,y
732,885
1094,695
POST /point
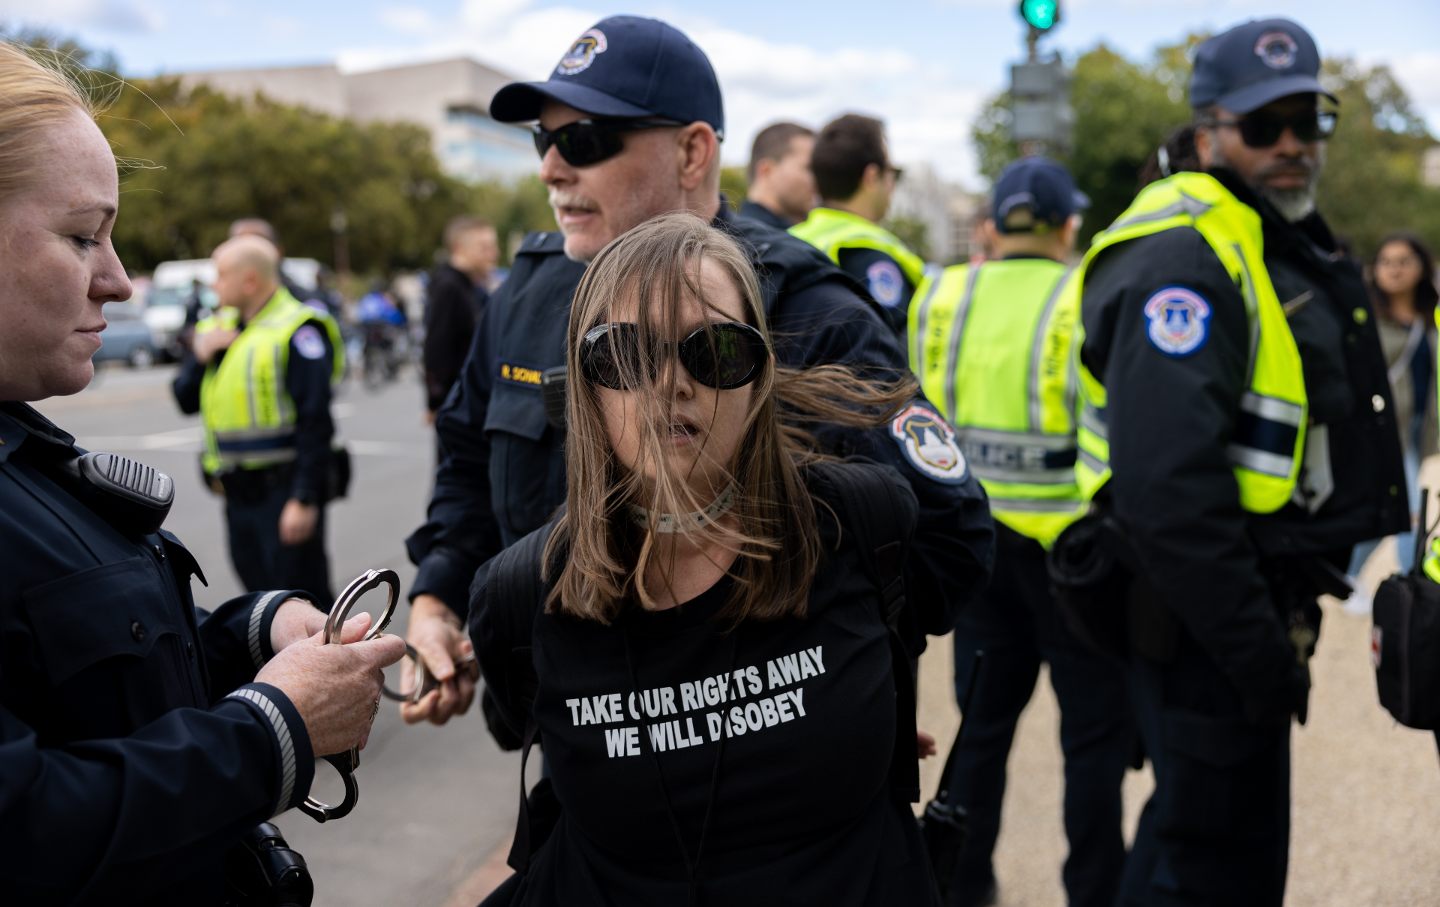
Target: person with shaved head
x,y
259,375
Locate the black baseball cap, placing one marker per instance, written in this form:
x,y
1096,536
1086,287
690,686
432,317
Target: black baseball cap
x,y
625,67
1254,63
1032,191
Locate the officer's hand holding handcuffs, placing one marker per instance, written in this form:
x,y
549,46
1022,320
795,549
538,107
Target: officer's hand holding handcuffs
x,y
333,676
444,661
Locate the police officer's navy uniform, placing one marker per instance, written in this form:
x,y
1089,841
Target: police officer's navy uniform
x,y
126,771
874,256
1236,423
265,403
752,210
503,473
991,346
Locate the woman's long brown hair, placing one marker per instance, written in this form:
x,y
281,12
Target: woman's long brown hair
x,y
655,267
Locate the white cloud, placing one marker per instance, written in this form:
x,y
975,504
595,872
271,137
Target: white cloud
x,y
1419,75
410,20
106,15
762,80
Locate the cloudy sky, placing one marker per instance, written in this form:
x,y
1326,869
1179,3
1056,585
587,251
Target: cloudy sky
x,y
926,66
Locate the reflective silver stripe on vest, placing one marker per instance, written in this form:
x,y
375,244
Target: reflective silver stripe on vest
x,y
1037,347
1002,456
250,385
1185,205
1034,505
1092,462
1259,461
922,319
1093,421
1252,312
957,332
1273,409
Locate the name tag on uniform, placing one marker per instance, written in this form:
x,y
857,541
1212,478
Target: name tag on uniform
x,y
520,374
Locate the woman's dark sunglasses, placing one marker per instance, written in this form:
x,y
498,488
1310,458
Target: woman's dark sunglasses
x,y
724,356
586,142
1263,129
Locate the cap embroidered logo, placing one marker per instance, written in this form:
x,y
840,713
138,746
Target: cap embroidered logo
x,y
582,53
1277,50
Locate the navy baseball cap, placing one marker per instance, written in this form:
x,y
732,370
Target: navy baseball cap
x,y
627,67
1035,190
1254,63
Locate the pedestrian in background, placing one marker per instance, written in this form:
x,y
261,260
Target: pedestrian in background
x,y
142,740
1237,433
455,300
624,135
1401,280
260,373
991,344
703,538
856,181
781,188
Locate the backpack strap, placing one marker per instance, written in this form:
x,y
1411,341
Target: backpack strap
x,y
882,520
513,581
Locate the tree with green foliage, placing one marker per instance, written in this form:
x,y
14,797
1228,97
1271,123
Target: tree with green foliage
x,y
1124,110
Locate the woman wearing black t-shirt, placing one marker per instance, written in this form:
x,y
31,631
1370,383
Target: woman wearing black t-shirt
x,y
704,651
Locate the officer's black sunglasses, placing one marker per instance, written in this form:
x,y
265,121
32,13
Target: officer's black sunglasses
x,y
1263,128
586,142
724,355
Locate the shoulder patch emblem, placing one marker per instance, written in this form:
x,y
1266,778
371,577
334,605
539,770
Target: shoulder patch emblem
x,y
309,343
929,444
1179,321
885,283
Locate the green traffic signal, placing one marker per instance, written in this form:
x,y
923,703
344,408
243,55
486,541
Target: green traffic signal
x,y
1041,15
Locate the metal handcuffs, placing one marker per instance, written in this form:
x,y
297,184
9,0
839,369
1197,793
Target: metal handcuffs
x,y
424,680
346,763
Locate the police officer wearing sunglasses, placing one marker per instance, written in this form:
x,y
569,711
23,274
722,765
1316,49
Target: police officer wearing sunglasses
x,y
1236,427
628,127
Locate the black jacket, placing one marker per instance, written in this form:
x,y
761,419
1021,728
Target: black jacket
x,y
453,306
503,472
1170,419
126,772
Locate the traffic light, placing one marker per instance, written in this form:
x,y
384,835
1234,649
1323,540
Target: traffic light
x,y
1040,15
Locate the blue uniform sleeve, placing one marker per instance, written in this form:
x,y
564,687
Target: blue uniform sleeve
x,y
236,637
460,530
1173,398
186,385
307,381
953,551
111,815
880,274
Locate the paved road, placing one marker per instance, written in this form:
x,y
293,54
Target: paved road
x,y
436,802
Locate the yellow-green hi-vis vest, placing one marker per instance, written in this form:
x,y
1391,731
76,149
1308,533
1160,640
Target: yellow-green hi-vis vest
x,y
831,230
990,345
248,415
1268,445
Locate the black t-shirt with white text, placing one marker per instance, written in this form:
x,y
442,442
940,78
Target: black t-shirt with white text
x,y
781,732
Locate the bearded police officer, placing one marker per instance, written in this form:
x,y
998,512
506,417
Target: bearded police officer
x,y
1236,426
629,125
991,346
856,181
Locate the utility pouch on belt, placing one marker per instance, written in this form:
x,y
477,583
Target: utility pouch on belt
x,y
1101,596
262,871
1405,640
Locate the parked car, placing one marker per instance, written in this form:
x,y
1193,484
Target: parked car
x,y
126,337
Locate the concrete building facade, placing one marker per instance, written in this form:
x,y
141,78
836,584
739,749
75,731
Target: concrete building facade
x,y
449,98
